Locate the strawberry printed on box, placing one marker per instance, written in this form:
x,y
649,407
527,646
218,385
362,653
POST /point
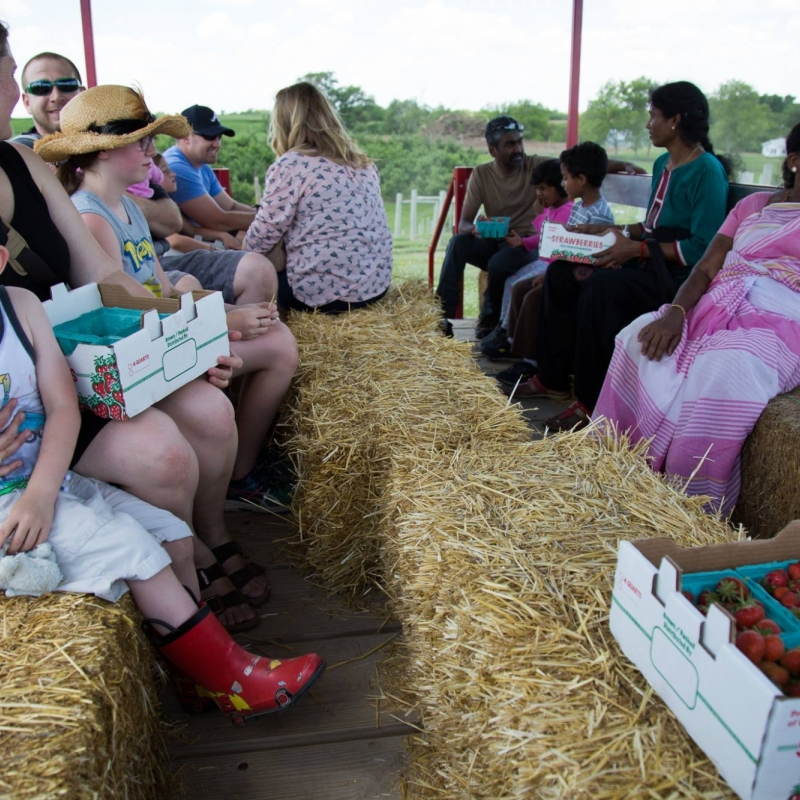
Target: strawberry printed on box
x,y
152,358
559,243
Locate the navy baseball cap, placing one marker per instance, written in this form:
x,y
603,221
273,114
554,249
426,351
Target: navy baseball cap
x,y
205,123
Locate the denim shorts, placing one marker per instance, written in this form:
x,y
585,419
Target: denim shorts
x,y
213,268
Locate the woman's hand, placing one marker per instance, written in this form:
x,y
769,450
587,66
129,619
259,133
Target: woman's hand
x,y
253,320
221,375
514,239
615,256
663,335
230,242
11,439
537,281
28,523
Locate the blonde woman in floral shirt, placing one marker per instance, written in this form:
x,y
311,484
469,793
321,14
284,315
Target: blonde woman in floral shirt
x,y
322,197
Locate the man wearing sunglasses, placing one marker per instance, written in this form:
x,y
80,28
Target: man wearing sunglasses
x,y
49,82
201,198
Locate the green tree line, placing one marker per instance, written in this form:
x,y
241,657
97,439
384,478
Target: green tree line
x,y
416,146
741,118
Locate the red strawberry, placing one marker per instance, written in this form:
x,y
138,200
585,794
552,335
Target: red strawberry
x,y
791,660
780,591
767,626
99,388
751,643
101,410
792,689
772,580
774,647
794,570
688,595
732,590
790,600
706,598
111,381
748,614
116,412
117,395
777,674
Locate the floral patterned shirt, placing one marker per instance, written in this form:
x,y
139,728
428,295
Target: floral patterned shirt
x,y
332,219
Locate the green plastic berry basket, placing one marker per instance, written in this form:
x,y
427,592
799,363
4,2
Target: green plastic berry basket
x,y
493,227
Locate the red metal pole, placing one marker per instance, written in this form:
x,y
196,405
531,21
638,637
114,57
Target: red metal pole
x,y
88,42
448,198
575,73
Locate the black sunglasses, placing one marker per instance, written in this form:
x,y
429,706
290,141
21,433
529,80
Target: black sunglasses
x,y
210,138
506,126
44,88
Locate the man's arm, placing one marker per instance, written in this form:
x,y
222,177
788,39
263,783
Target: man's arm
x,y
224,200
624,166
472,202
163,216
188,228
208,213
468,213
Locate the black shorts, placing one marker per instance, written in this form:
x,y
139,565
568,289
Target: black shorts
x,y
91,425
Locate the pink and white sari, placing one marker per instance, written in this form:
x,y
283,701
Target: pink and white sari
x,y
740,348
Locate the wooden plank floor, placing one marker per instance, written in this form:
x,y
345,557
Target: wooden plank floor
x,y
535,411
338,743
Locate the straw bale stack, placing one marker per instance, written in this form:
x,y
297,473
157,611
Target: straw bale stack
x,y
368,384
497,554
78,714
501,573
770,496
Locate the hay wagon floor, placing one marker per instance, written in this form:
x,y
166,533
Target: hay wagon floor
x,y
536,411
340,742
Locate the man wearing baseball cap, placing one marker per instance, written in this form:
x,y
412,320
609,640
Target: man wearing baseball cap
x,y
503,188
206,205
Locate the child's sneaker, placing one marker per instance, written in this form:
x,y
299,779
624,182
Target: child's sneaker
x,y
251,494
274,467
516,373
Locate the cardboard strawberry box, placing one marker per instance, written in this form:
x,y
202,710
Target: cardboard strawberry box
x,y
559,243
748,728
126,352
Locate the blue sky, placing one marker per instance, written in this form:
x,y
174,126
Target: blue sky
x,y
235,54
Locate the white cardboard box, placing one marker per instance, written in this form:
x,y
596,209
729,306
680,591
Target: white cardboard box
x,y
559,243
123,379
748,728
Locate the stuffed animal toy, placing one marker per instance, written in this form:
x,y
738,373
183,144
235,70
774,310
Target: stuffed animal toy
x,y
33,573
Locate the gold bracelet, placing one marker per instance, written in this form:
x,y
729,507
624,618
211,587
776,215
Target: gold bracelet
x,y
681,308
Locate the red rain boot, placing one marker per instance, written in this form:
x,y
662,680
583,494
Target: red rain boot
x,y
242,684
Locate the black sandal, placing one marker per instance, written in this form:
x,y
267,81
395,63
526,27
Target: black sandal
x,y
241,577
219,604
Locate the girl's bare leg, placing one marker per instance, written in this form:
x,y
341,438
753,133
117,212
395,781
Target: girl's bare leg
x,y
270,362
205,417
163,597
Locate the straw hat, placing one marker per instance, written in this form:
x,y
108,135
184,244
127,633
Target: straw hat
x,y
85,118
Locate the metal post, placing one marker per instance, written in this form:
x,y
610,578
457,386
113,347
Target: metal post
x,y
574,73
413,226
88,42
